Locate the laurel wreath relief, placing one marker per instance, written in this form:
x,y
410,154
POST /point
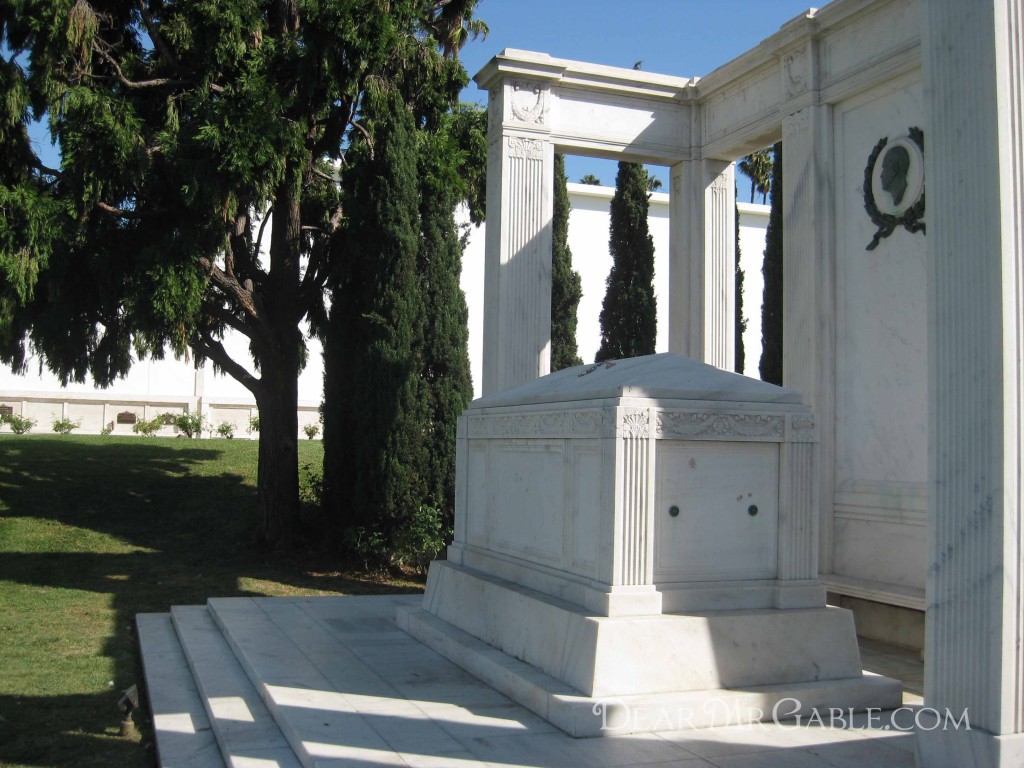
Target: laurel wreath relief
x,y
910,219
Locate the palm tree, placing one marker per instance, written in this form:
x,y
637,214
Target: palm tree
x,y
452,23
758,166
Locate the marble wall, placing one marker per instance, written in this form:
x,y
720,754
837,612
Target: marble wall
x,y
881,365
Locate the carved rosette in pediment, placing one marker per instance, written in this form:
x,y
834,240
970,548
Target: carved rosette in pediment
x,y
522,148
691,424
527,101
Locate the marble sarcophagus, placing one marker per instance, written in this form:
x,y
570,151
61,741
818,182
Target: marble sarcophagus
x,y
635,529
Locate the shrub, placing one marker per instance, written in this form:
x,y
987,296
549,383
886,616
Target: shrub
x,y
226,429
311,430
311,485
148,428
191,425
254,424
64,426
108,428
368,545
19,424
421,539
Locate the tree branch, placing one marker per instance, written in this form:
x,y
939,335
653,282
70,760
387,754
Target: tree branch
x,y
324,176
210,347
158,40
122,213
362,130
159,82
231,287
259,237
224,315
46,169
316,275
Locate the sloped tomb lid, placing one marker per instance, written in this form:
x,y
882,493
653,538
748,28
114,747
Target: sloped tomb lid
x,y
664,377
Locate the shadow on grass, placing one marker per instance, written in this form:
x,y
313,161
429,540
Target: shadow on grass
x,y
94,530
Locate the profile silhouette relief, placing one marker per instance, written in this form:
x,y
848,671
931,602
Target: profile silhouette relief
x,y
895,166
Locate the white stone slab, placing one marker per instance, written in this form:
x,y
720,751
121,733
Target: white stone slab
x,y
664,376
180,725
586,716
612,656
244,729
355,688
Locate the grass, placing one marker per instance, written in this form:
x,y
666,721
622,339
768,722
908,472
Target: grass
x,y
94,529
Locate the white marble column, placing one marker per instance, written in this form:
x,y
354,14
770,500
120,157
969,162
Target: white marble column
x,y
702,262
808,347
798,585
974,171
517,276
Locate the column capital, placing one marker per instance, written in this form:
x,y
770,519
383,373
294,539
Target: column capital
x,y
519,105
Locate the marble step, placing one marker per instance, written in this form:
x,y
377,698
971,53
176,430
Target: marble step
x,y
184,738
345,692
245,730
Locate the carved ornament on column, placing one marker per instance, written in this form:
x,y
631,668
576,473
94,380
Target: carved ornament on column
x,y
525,149
794,72
801,429
528,102
636,424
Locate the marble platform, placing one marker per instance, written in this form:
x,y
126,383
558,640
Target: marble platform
x,y
331,682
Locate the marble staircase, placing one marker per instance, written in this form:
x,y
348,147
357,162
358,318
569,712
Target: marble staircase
x,y
328,682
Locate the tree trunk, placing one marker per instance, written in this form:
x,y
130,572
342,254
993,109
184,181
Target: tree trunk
x,y
278,469
278,393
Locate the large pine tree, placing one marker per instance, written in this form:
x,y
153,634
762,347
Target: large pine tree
x,y
771,309
629,323
566,287
183,127
374,409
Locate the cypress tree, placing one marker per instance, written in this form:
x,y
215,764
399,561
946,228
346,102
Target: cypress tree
x,y
445,378
771,311
566,288
629,322
373,412
740,322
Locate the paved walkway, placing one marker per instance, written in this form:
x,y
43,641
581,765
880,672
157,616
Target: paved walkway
x,y
332,682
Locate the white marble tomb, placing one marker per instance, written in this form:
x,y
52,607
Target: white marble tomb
x,y
642,531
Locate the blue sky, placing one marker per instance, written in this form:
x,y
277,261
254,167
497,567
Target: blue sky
x,y
687,38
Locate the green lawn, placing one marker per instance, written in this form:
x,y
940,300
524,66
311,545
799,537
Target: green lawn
x,y
96,529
